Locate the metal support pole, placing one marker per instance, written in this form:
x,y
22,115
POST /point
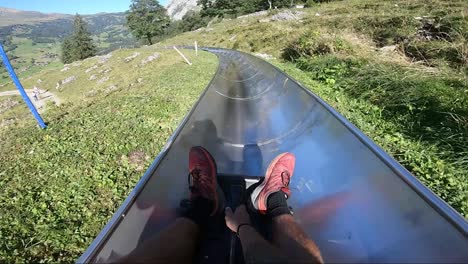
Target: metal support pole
x,y
15,79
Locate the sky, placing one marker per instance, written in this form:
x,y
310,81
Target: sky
x,y
71,6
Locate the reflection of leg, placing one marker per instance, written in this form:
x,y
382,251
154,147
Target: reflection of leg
x,y
290,237
174,244
252,157
177,242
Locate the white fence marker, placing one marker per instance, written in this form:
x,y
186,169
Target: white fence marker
x,y
196,49
185,58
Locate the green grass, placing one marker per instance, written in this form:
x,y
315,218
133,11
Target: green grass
x,y
13,114
412,102
437,156
82,165
26,52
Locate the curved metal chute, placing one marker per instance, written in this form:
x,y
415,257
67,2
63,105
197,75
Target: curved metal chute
x,y
351,197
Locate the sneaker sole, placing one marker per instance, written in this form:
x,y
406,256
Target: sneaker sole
x,y
256,193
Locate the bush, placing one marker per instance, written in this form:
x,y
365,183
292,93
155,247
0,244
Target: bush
x,y
313,44
443,27
310,3
434,52
327,69
386,30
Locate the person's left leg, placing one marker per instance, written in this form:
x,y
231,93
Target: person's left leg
x,y
177,243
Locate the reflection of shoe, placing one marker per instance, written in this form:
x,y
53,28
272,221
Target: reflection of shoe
x,y
276,179
202,176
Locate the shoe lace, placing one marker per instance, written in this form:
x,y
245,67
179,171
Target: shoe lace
x,y
195,173
196,177
285,177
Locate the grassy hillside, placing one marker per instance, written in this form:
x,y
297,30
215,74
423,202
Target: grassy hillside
x,y
10,16
396,69
97,146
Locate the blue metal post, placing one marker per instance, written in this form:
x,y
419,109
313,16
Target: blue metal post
x,y
15,79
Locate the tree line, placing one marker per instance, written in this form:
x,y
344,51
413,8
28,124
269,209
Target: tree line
x,y
148,21
234,8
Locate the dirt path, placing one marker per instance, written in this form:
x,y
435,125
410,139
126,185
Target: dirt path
x,y
44,97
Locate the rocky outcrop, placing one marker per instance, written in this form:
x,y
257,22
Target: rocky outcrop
x,y
176,9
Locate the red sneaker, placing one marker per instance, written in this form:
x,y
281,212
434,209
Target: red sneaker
x,y
276,179
202,176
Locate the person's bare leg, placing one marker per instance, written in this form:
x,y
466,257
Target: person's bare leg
x,y
256,248
174,244
293,241
270,198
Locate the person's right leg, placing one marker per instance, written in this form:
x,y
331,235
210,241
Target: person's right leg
x,y
290,237
270,198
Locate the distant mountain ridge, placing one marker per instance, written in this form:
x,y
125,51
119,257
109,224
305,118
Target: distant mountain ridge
x,y
10,16
176,9
107,28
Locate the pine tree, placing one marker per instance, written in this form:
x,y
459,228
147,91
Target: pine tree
x,y
66,50
83,46
147,19
79,45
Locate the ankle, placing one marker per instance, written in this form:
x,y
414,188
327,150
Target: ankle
x,y
277,204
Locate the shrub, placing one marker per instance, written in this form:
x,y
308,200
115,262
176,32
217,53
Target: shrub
x,y
386,30
313,44
441,26
310,3
436,51
328,68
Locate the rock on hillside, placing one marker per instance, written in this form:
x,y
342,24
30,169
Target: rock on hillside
x,y
178,8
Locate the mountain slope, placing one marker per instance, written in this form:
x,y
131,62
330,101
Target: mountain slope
x,y
10,16
178,8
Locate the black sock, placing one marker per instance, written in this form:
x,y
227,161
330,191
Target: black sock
x,y
197,210
277,204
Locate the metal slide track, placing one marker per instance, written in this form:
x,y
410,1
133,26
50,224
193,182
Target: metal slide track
x,y
351,197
